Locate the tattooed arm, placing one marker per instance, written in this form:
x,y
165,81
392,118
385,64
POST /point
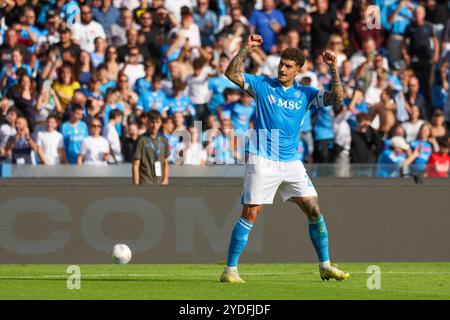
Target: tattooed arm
x,y
233,71
335,96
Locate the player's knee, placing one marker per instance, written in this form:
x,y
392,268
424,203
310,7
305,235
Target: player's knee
x,y
250,213
310,207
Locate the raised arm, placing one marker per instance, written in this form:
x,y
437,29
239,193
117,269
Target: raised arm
x,y
335,96
233,71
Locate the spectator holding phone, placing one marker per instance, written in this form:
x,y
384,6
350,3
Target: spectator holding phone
x,y
20,146
11,71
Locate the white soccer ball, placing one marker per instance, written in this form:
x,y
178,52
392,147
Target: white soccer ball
x,y
121,253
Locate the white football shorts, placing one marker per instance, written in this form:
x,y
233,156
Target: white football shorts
x,y
263,177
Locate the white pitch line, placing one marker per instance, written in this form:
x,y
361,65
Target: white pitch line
x,y
137,275
140,275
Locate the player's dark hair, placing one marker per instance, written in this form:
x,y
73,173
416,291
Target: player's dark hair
x,y
154,115
293,54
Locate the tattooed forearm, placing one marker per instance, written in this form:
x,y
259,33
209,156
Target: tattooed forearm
x,y
336,94
233,71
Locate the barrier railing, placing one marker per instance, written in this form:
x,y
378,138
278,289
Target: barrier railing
x,y
213,171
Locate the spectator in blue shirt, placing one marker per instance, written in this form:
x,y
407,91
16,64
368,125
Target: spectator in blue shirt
x,y
112,102
218,84
106,15
74,131
207,22
95,100
144,84
168,127
98,55
323,135
267,22
222,147
395,161
9,73
323,125
400,15
29,33
154,99
180,102
241,113
356,105
427,144
106,83
171,52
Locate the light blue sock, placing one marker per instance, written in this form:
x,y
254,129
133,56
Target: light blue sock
x,y
319,237
238,241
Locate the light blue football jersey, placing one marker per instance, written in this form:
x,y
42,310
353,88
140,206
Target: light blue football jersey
x,y
280,113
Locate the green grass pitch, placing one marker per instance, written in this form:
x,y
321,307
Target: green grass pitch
x,y
190,281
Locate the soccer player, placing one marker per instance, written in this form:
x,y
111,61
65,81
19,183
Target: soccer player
x,y
281,107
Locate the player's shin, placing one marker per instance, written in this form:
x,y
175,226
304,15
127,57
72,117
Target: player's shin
x,y
319,236
238,241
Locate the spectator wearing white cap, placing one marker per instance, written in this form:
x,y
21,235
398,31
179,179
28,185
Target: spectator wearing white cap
x,y
395,161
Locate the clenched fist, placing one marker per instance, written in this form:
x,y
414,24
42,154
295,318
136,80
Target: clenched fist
x,y
254,40
329,58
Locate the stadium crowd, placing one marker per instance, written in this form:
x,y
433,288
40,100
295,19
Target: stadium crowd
x,y
78,78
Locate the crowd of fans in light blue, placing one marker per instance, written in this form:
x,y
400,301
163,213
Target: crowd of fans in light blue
x,y
68,62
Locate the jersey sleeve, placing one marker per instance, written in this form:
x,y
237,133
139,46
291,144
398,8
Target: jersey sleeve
x,y
316,97
252,84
